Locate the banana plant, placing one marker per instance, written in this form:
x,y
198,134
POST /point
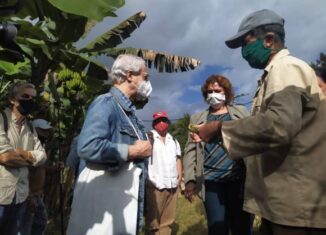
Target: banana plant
x,y
48,33
106,43
49,30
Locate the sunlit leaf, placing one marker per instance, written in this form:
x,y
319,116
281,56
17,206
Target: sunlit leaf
x,y
66,27
10,68
93,9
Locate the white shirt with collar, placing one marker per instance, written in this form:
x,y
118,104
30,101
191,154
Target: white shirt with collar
x,y
14,182
162,166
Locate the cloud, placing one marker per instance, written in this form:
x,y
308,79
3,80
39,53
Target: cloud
x,y
195,88
199,29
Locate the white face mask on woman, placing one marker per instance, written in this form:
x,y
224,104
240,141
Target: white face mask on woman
x,y
215,100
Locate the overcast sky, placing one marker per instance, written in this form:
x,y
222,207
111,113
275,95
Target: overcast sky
x,y
198,29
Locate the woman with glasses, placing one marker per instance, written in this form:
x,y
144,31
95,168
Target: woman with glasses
x,y
208,171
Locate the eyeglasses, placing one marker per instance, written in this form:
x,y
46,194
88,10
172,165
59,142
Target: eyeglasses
x,y
213,91
144,75
161,120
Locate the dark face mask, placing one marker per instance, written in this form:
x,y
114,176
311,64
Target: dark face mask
x,y
26,107
256,54
140,103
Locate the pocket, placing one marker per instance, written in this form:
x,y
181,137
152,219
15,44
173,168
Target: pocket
x,y
127,130
127,135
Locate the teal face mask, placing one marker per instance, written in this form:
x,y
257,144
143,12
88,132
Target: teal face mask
x,y
256,54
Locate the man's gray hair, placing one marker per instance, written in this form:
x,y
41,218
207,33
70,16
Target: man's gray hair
x,y
17,88
123,64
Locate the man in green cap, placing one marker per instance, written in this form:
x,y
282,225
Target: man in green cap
x,y
285,138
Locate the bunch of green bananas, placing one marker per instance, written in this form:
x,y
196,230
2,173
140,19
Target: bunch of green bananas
x,y
65,75
76,84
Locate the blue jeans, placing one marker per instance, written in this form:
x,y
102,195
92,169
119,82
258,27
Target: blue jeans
x,y
35,218
223,204
11,218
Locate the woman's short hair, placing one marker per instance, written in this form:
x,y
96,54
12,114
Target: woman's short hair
x,y
222,82
123,64
17,87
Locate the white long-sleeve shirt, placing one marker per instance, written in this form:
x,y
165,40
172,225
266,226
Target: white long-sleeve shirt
x,y
14,181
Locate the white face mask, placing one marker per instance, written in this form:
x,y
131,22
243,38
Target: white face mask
x,y
144,89
215,100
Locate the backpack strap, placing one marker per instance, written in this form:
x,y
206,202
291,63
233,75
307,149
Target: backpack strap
x,y
5,120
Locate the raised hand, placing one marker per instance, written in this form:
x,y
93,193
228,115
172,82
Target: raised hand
x,y
207,132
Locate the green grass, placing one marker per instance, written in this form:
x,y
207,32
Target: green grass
x,y
190,219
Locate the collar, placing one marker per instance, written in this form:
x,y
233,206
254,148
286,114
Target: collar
x,y
157,135
282,53
12,117
122,99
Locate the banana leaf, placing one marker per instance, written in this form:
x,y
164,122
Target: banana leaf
x,y
10,56
41,30
10,68
115,36
163,62
93,9
68,27
78,62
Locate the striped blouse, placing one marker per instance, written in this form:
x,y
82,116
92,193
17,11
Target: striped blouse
x,y
217,166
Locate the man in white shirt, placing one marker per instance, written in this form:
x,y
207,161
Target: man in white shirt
x,y
164,176
20,148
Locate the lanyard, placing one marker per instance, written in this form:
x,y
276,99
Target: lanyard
x,y
131,124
